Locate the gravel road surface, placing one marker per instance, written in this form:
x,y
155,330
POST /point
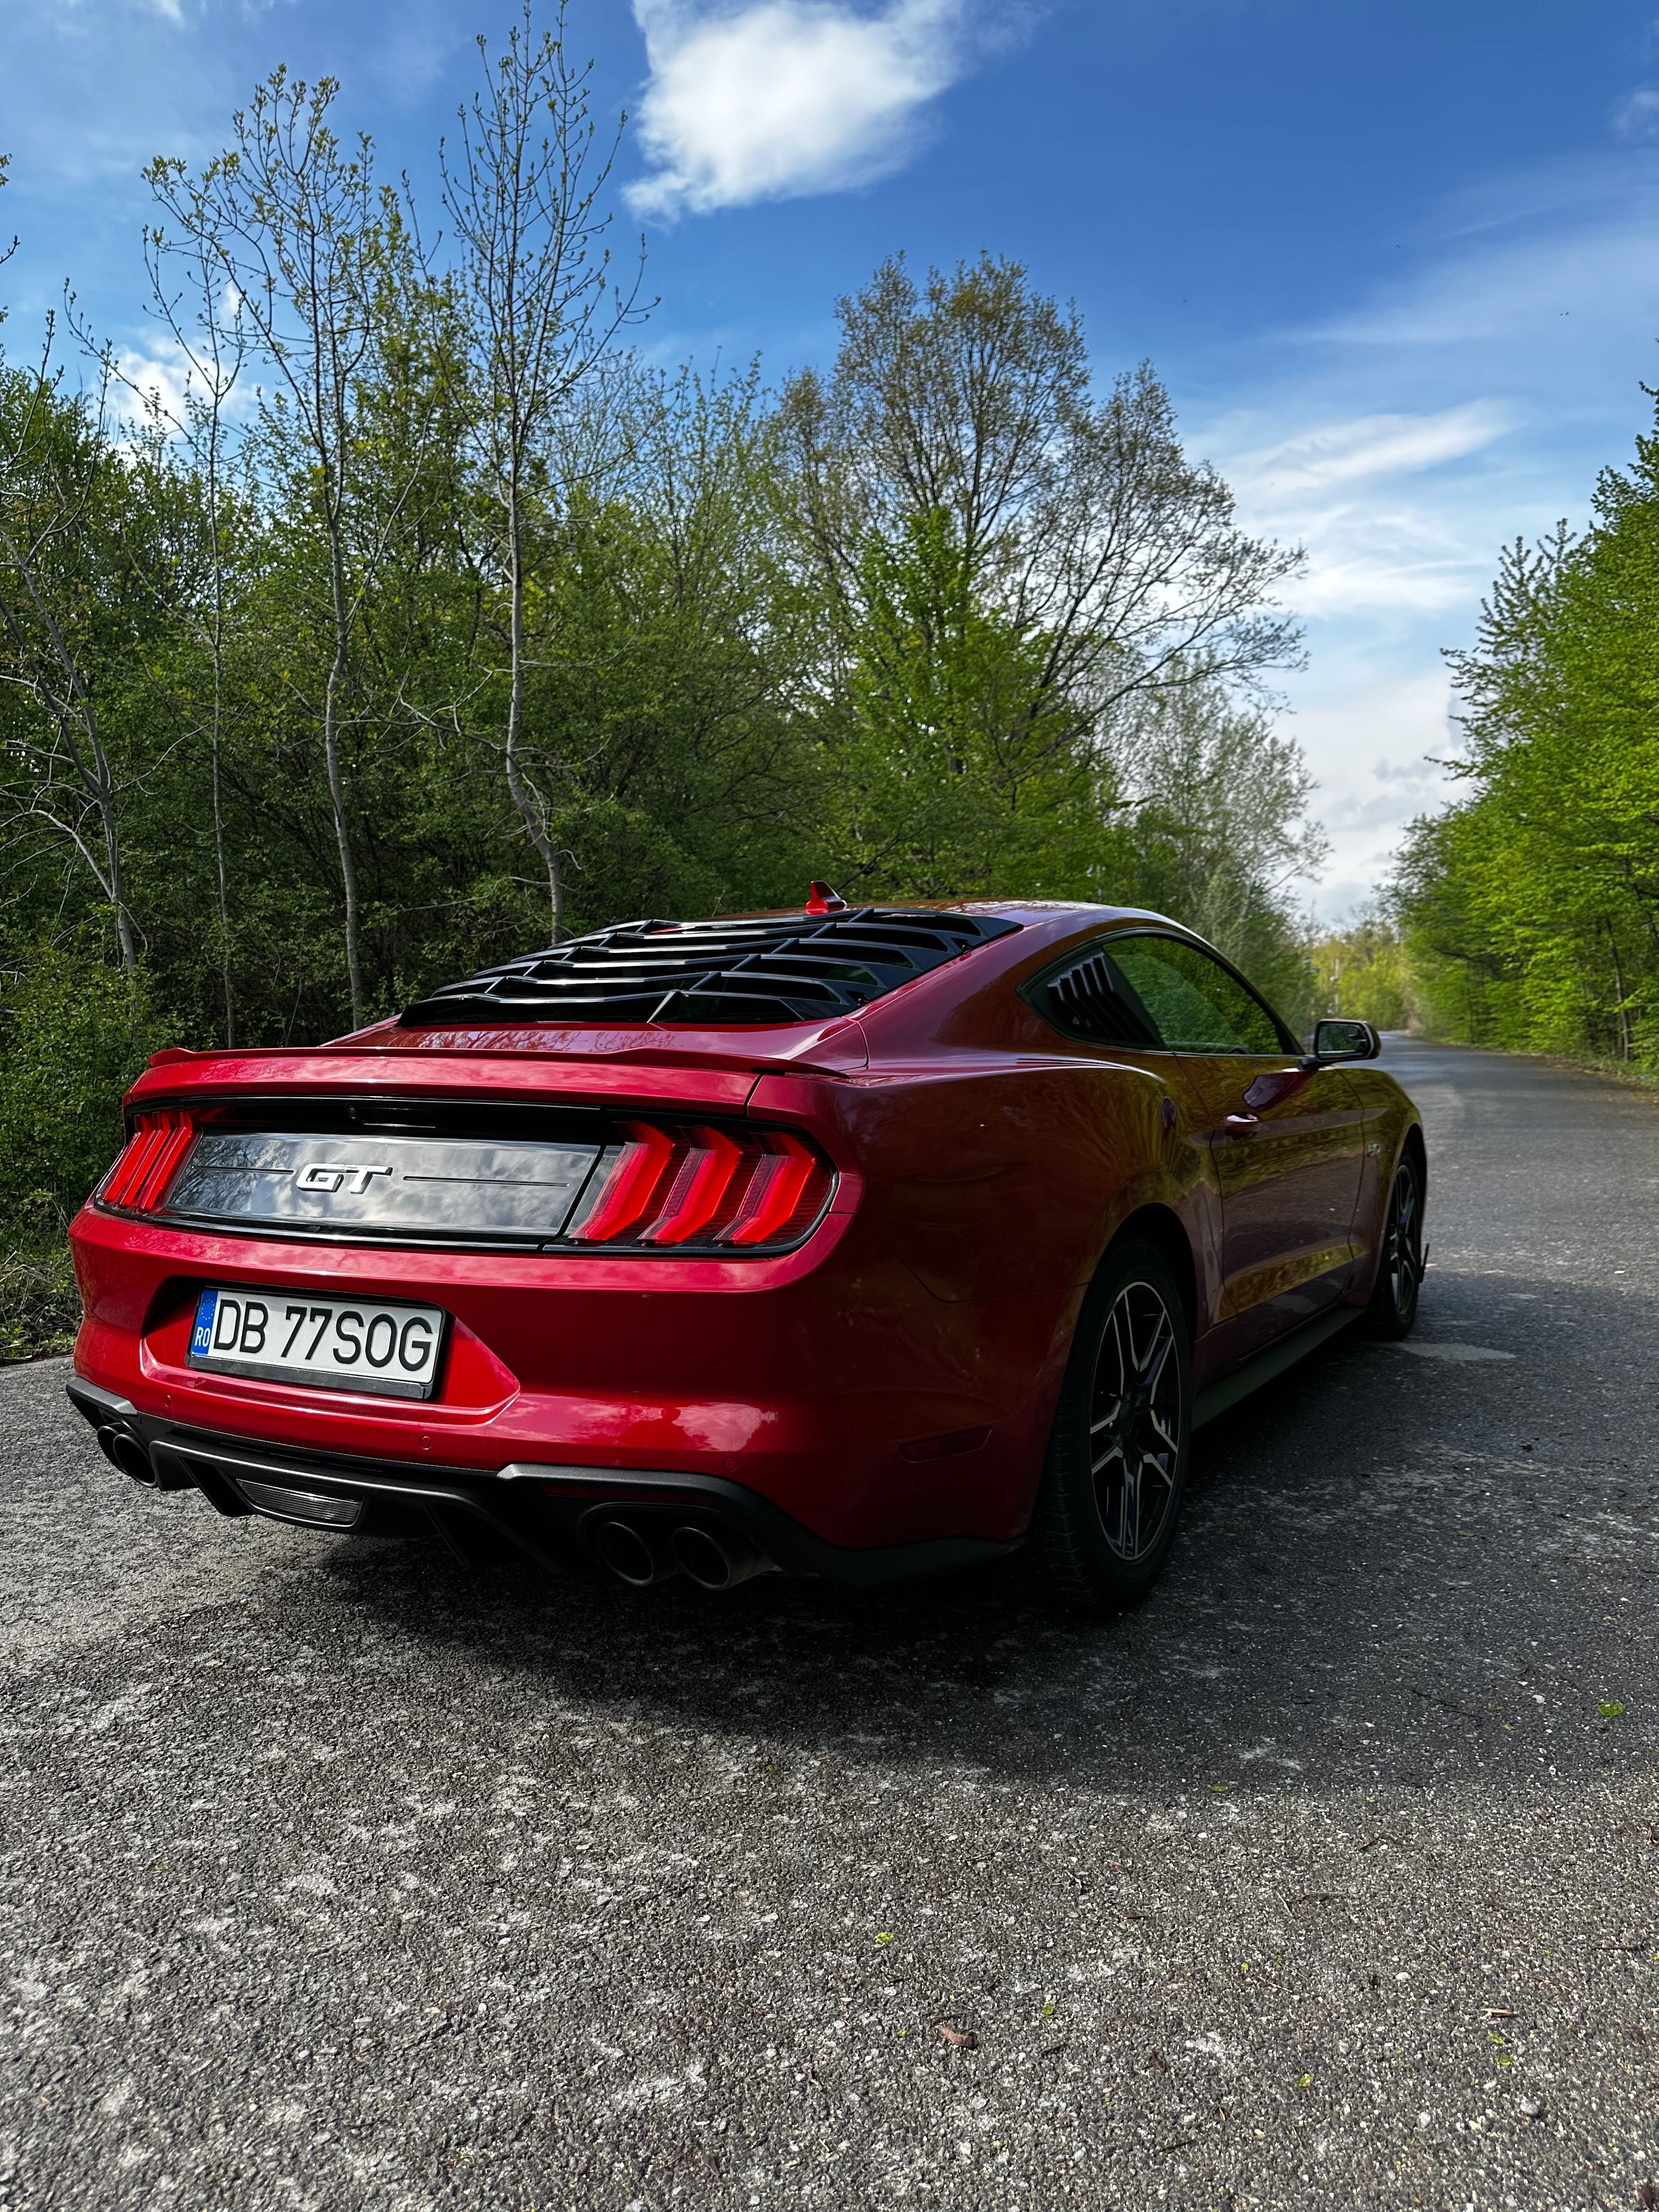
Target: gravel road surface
x,y
332,1875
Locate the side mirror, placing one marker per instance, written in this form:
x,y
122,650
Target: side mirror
x,y
1345,1040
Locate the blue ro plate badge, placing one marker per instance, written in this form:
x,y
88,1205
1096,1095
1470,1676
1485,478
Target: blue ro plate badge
x,y
366,1345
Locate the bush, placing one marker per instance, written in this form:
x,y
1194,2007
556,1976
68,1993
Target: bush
x,y
73,1036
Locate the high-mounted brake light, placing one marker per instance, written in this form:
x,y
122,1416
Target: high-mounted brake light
x,y
698,1186
140,1177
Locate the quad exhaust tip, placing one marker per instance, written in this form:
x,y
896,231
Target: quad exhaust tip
x,y
624,1550
123,1450
162,1471
713,1558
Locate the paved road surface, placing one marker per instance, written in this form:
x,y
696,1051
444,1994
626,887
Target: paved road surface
x,y
330,1877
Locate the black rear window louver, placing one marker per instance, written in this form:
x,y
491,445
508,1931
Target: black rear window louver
x,y
1091,999
777,970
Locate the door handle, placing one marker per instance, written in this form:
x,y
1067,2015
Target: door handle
x,y
1243,1121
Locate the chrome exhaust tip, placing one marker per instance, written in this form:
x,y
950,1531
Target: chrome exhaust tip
x,y
716,1561
623,1549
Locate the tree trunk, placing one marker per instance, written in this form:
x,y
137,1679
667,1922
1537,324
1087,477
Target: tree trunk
x,y
117,897
342,835
523,797
219,862
1618,986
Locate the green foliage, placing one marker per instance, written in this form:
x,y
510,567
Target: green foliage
x,y
954,770
1531,909
74,1033
1361,971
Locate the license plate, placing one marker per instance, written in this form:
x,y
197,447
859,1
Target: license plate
x,y
331,1344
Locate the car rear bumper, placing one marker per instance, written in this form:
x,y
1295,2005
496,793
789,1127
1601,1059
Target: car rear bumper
x,y
549,1512
827,1385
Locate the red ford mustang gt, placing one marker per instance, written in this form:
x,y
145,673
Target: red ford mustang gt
x,y
855,1244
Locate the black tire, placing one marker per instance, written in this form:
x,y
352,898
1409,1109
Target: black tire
x,y
1392,1312
1116,1471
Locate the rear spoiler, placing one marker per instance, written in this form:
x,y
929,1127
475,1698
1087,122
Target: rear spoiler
x,y
721,1082
839,1052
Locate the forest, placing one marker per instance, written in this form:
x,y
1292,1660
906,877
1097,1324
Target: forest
x,y
1528,911
417,616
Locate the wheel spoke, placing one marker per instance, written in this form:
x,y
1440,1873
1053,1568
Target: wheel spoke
x,y
1151,1368
1114,1450
1160,1473
1121,1323
1129,1526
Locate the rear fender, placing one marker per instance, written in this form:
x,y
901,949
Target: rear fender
x,y
990,1180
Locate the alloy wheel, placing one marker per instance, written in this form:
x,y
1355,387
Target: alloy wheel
x,y
1135,1420
1402,1251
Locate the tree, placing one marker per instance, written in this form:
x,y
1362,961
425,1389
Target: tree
x,y
1530,907
959,769
210,336
1359,970
311,254
957,454
67,617
668,645
1216,802
541,317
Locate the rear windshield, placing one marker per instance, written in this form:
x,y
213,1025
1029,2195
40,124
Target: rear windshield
x,y
699,975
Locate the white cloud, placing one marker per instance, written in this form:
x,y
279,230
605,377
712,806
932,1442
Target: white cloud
x,y
1374,742
1369,445
1340,489
778,98
154,384
1545,278
1637,116
146,381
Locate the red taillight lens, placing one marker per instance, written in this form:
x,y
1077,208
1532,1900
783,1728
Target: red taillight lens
x,y
698,1192
782,1181
702,1186
629,1177
139,1178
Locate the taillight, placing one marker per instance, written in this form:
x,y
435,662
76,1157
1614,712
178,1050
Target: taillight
x,y
140,1177
694,1185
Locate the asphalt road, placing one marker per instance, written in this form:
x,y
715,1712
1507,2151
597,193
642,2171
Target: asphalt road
x,y
331,1876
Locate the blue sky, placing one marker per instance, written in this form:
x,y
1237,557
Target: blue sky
x,y
1398,264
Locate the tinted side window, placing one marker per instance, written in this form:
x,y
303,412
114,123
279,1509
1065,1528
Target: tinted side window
x,y
1089,998
1195,1005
